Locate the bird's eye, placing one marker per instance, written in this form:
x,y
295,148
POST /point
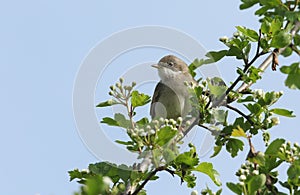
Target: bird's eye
x,y
171,63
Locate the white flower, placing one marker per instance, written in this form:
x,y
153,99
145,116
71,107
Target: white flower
x,y
275,120
241,183
242,178
151,132
118,84
107,180
85,170
223,39
179,119
255,172
258,93
161,119
194,192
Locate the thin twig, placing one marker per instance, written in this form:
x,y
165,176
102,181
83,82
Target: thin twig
x,y
153,173
241,113
269,59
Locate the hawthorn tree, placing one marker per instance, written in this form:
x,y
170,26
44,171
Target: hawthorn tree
x,y
157,142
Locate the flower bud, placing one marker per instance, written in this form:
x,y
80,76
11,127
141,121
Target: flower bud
x,y
242,178
118,85
107,180
121,80
133,84
194,192
112,88
275,120
255,172
223,39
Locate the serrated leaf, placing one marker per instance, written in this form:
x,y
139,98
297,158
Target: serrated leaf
x,y
164,135
236,188
272,3
216,55
293,173
207,168
143,121
256,182
293,79
297,39
238,132
217,150
107,103
234,51
216,90
282,112
187,160
273,148
76,174
122,121
139,99
248,3
233,146
281,39
110,121
252,35
262,10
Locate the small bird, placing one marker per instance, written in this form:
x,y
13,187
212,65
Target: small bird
x,y
171,98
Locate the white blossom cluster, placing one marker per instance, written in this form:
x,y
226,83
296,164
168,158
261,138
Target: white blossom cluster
x,y
247,169
289,150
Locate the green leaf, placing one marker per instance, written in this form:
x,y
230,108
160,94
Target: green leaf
x,y
169,155
143,121
248,3
276,24
207,168
216,55
107,103
281,39
273,148
293,79
254,108
128,143
287,52
217,150
216,90
236,188
271,3
249,33
234,51
139,99
76,174
164,135
297,39
187,160
122,121
262,10
110,121
233,146
282,112
256,182
294,173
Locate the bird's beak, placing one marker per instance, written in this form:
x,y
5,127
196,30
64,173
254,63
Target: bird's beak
x,y
155,66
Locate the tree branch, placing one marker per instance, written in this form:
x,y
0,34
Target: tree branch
x,y
241,113
269,59
151,174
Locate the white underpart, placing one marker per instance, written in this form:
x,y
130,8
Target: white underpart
x,y
174,80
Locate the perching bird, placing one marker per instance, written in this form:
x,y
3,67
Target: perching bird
x,y
171,98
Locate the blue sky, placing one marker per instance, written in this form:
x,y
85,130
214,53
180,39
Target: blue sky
x,y
43,44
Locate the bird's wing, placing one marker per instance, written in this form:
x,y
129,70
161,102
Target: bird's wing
x,y
155,98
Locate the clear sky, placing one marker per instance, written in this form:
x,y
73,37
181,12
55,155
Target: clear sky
x,y
43,44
